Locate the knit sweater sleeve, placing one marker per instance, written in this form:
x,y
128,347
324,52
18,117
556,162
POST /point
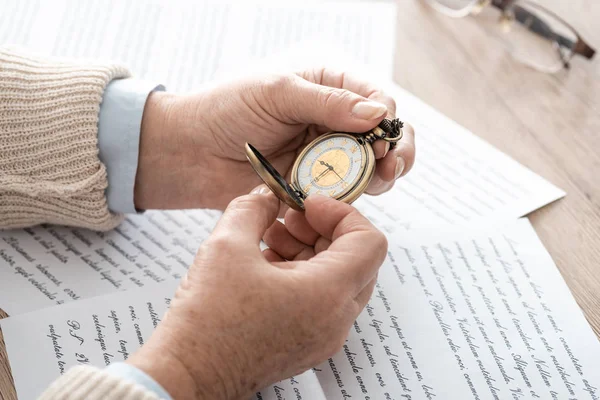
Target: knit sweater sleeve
x,y
49,166
90,383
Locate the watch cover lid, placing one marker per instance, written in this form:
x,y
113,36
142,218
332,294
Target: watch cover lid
x,y
273,179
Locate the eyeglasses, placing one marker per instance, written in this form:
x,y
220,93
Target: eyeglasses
x,y
533,35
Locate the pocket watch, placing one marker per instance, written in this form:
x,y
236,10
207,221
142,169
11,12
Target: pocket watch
x,y
337,164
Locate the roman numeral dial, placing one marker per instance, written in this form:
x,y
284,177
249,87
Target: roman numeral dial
x,y
331,166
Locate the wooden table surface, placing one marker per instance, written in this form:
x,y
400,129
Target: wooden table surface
x,y
549,123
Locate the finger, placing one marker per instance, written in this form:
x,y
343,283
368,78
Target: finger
x,y
395,164
283,208
280,240
271,256
357,249
276,260
365,295
322,244
336,79
381,148
362,87
299,227
248,217
385,175
353,83
338,109
405,151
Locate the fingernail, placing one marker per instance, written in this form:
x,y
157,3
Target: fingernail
x,y
260,189
368,110
399,166
387,148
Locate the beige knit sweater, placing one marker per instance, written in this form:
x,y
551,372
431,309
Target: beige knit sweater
x,y
50,171
89,383
49,166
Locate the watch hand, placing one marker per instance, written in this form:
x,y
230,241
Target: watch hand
x,y
337,174
321,174
326,164
330,167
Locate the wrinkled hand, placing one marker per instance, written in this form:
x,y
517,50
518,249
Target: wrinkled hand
x,y
192,147
243,319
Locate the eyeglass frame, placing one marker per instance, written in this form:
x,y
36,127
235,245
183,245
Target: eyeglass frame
x,y
580,47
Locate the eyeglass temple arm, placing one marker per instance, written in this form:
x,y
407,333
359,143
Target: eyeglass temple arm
x,y
537,25
584,49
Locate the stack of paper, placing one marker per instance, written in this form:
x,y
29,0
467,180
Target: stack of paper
x,y
477,310
478,316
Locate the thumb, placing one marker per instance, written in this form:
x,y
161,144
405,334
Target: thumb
x,y
248,217
357,248
334,108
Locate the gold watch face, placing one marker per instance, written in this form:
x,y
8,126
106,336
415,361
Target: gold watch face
x,y
334,165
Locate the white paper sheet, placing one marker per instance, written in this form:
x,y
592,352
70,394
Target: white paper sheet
x,y
486,317
48,265
182,44
104,330
481,317
458,179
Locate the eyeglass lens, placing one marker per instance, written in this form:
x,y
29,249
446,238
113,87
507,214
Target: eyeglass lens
x,y
532,34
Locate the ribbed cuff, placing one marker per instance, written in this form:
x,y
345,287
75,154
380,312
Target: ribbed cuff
x,y
90,383
132,374
49,166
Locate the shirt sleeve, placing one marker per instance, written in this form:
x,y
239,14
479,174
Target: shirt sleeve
x,y
131,373
119,126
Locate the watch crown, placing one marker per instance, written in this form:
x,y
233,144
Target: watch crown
x,y
391,127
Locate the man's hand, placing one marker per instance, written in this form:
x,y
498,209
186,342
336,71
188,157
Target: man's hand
x,y
243,319
192,147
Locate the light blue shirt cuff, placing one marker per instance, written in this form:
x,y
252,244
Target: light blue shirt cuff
x,y
119,128
133,374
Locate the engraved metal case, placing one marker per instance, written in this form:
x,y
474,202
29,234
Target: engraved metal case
x,y
292,194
